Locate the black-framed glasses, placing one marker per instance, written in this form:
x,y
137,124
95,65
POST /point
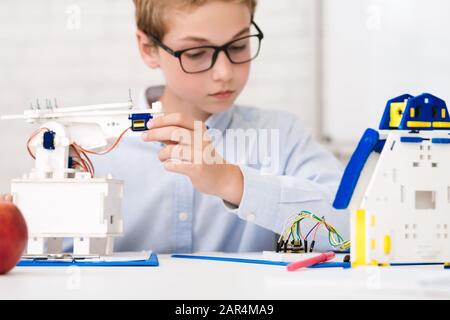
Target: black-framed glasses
x,y
203,58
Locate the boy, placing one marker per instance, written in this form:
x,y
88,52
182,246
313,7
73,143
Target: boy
x,y
186,194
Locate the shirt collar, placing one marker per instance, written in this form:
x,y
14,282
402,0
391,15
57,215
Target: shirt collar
x,y
219,121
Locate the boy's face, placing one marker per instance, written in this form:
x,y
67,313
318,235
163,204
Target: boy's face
x,y
214,24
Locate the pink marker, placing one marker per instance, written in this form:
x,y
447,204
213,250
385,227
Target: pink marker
x,y
324,257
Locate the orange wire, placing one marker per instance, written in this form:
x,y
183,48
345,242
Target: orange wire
x,y
32,136
111,148
86,161
315,232
83,162
75,164
89,162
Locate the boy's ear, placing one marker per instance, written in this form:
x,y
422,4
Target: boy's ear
x,y
149,52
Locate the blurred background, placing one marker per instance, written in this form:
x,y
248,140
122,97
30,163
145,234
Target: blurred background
x,y
334,63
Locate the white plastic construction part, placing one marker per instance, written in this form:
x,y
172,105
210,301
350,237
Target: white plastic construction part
x,y
59,202
400,207
407,201
87,210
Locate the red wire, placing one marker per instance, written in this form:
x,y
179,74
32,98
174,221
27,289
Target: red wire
x,y
76,164
315,233
91,166
33,135
83,163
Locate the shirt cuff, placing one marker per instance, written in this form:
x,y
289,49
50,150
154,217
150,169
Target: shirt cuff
x,y
260,200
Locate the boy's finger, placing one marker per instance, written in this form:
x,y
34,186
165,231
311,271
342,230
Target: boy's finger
x,y
173,119
179,152
175,134
167,143
184,168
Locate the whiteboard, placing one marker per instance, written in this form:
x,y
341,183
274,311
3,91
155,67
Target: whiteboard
x,y
376,50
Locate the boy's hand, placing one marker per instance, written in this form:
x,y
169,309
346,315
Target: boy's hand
x,y
189,151
6,197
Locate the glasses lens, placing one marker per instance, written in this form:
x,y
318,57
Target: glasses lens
x,y
197,60
244,50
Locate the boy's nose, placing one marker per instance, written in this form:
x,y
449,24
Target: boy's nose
x,y
223,69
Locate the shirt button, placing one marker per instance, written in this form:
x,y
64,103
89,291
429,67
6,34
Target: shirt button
x,y
251,217
183,216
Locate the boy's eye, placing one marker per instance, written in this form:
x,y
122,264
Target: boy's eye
x,y
195,54
238,48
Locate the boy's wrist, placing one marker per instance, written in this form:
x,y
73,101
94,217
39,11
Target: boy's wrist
x,y
231,184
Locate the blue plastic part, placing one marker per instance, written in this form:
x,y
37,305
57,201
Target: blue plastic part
x,y
440,140
139,121
229,259
411,139
416,264
49,140
366,146
380,146
325,265
427,109
152,261
344,265
386,119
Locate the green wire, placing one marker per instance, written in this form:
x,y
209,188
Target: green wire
x,y
339,242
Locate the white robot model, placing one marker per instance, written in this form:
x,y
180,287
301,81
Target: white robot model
x,y
397,186
61,198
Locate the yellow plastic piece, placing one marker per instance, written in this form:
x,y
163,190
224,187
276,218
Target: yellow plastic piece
x,y
412,112
360,245
373,221
419,124
387,244
443,113
373,244
139,124
397,109
441,124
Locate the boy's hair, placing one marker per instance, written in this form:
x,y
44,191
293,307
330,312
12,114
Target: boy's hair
x,y
151,14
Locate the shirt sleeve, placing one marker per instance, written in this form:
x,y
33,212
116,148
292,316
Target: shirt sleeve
x,y
309,180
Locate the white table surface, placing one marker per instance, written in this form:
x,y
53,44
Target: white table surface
x,y
197,279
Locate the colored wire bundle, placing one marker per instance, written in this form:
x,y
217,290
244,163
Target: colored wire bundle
x,y
80,160
293,233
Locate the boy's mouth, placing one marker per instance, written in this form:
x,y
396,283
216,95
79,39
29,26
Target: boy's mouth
x,y
222,95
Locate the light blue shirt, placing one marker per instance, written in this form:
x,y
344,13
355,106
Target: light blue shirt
x,y
163,212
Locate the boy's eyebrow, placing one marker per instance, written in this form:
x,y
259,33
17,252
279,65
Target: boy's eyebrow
x,y
198,39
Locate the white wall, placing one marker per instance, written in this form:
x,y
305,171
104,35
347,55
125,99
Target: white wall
x,y
374,50
83,52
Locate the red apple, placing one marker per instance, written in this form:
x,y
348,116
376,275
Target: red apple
x,y
13,236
